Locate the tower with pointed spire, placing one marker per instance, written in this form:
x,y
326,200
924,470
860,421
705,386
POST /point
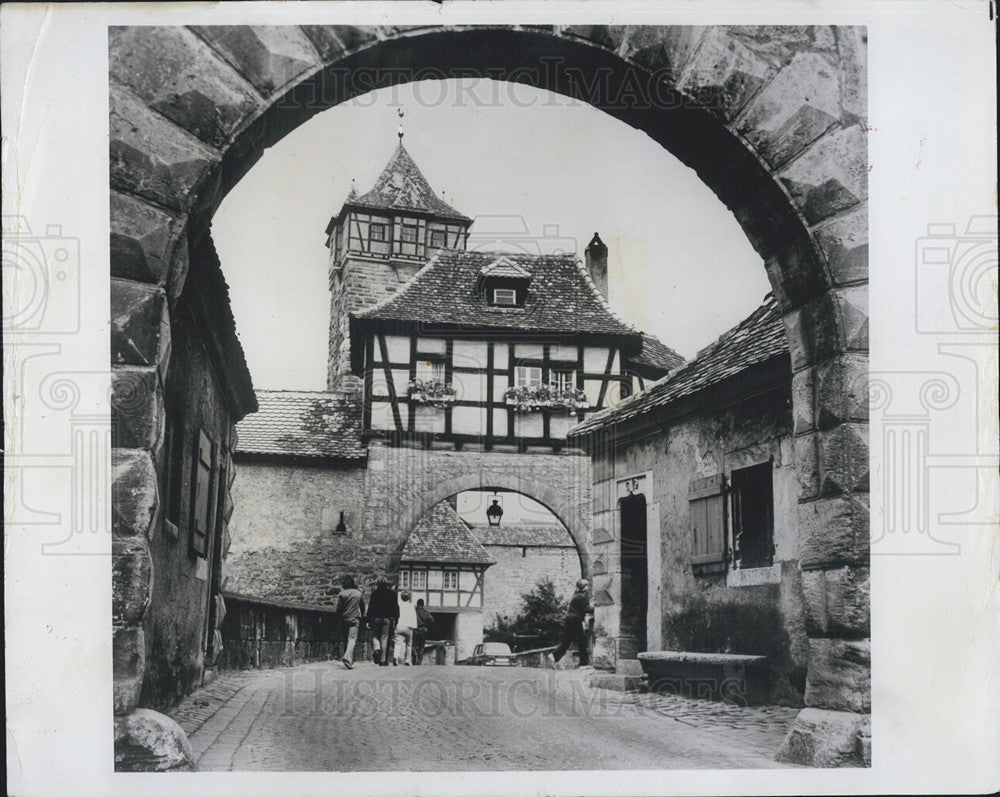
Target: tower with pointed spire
x,y
377,241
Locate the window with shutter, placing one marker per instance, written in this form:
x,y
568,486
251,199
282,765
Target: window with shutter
x,y
201,504
708,524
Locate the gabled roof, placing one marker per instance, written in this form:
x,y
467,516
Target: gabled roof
x,y
402,186
442,536
303,424
759,337
503,266
562,299
657,355
524,535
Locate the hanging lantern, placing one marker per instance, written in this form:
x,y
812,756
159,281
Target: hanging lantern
x,y
494,511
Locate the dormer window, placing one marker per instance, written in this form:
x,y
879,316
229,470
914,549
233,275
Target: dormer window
x,y
504,282
505,297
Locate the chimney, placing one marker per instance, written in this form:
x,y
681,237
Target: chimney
x,y
596,258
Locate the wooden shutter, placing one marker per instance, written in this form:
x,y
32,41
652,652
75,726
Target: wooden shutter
x,y
707,512
202,483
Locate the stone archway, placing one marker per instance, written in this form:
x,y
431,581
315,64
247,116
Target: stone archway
x,y
578,528
772,119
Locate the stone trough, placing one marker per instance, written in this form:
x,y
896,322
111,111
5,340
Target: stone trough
x,y
727,677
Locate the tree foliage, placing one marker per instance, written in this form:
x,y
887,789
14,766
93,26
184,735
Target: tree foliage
x,y
540,620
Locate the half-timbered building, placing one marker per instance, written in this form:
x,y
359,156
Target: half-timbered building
x,y
448,370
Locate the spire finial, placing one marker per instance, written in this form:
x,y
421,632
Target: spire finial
x,y
399,132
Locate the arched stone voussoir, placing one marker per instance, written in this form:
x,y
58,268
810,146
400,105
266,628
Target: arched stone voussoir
x,y
152,157
179,76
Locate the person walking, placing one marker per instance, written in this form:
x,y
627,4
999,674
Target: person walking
x,y
349,612
383,612
573,633
404,629
424,622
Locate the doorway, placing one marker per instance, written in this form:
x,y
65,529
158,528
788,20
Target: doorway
x,y
634,575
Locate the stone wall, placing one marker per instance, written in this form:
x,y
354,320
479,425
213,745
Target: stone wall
x,y
174,626
360,284
518,570
284,543
705,612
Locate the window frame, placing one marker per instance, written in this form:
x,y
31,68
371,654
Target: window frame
x,y
520,370
409,229
372,226
741,479
447,575
496,301
437,369
444,239
562,378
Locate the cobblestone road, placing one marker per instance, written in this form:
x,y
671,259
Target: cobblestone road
x,y
321,717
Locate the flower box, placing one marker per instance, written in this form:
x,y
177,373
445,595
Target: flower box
x,y
431,393
545,397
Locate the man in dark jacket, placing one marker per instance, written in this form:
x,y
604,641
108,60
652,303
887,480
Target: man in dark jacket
x,y
424,621
349,611
573,633
383,612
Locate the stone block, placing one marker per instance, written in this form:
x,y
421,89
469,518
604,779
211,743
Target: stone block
x,y
176,74
128,667
131,580
834,532
831,176
848,602
153,158
796,108
844,243
270,57
332,41
837,602
852,41
843,459
852,305
136,322
142,238
780,44
617,682
803,401
725,74
663,48
609,37
147,741
842,390
136,408
839,677
134,492
807,465
822,739
812,333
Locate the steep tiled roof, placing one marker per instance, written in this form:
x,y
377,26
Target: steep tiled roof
x,y
548,535
402,186
562,297
656,354
303,424
757,338
442,536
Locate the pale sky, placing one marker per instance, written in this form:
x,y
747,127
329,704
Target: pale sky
x,y
548,170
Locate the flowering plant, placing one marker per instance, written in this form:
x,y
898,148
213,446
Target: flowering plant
x,y
431,392
536,397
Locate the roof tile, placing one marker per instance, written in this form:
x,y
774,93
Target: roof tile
x,y
757,338
442,536
303,424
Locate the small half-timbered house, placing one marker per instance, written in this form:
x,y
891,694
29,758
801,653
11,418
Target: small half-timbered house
x,y
444,564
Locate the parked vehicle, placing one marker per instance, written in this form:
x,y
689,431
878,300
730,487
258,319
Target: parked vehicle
x,y
492,654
